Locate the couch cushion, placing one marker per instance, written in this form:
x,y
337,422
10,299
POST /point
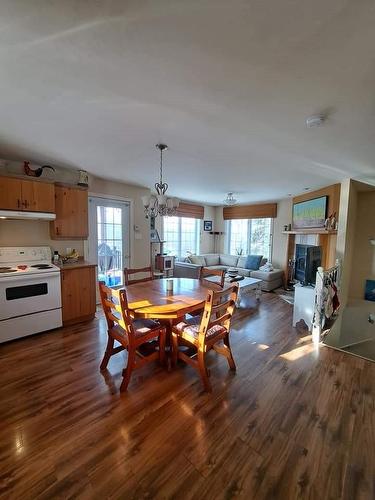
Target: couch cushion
x,y
197,259
212,259
271,276
253,261
217,268
228,260
242,261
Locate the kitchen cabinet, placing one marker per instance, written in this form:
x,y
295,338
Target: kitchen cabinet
x,y
78,292
25,195
71,205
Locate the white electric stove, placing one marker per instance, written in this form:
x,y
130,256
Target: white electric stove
x,y
30,292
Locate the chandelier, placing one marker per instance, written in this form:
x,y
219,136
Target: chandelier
x,y
230,200
159,203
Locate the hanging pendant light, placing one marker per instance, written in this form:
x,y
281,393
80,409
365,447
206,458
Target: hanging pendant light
x,y
159,203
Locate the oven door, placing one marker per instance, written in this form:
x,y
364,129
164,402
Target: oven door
x,y
27,294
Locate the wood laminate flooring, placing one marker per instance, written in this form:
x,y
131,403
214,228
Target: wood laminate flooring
x,y
294,422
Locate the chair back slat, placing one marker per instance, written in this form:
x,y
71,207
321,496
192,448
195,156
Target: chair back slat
x,y
116,310
142,270
214,304
206,273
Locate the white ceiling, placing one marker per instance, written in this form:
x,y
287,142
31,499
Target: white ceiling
x,y
226,84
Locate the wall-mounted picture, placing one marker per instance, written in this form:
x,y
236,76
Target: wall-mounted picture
x,y
154,236
370,290
310,213
207,225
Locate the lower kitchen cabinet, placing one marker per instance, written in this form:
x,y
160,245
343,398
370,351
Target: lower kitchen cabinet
x,y
78,286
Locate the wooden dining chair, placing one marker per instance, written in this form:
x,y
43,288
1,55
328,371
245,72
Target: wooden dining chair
x,y
129,333
211,332
143,270
218,275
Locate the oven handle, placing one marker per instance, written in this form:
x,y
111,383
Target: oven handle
x,y
30,277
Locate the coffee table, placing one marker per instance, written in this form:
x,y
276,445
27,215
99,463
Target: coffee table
x,y
246,285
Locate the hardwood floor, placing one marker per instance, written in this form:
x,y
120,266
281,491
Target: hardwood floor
x,y
294,422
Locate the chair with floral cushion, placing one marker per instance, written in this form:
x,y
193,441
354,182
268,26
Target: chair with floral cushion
x,y
129,333
211,331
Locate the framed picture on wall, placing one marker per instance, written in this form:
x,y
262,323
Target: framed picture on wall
x,y
154,236
207,225
310,213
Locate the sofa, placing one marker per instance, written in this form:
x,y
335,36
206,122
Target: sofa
x,y
190,268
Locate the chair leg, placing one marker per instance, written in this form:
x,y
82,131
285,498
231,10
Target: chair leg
x,y
231,363
203,371
129,369
174,349
108,353
162,347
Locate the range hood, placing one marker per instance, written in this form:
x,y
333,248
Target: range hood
x,y
14,214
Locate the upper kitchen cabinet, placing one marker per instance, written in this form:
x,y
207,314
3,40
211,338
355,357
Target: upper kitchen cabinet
x,y
10,193
24,195
38,196
71,213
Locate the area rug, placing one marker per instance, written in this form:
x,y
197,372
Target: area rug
x,y
286,295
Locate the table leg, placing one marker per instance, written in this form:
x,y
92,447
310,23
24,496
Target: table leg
x,y
258,292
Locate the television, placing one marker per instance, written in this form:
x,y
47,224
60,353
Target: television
x,y
308,259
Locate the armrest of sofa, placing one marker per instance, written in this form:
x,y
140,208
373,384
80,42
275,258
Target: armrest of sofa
x,y
186,270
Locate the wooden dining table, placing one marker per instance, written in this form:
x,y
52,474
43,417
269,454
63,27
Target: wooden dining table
x,y
152,300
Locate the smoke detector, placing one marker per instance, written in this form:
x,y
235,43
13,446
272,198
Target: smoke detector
x,y
315,120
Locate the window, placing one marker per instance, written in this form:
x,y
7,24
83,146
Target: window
x,y
181,235
249,236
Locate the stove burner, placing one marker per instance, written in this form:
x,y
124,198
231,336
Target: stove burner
x,y
7,270
42,266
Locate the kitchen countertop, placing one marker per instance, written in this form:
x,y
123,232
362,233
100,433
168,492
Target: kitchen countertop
x,y
77,265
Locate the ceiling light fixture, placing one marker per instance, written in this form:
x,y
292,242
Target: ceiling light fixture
x,y
315,120
230,200
159,203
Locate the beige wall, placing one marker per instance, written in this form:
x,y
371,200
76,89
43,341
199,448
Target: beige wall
x,y
363,260
346,234
280,240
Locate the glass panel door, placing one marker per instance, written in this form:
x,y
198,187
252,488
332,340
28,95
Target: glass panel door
x,y
109,238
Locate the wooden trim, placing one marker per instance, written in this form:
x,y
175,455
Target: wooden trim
x,y
250,211
333,193
190,210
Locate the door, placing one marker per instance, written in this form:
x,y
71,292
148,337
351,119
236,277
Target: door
x,y
109,242
38,196
10,194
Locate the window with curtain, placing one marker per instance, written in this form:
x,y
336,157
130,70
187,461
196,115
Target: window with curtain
x,y
181,235
249,236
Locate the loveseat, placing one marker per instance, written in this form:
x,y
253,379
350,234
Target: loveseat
x,y
190,268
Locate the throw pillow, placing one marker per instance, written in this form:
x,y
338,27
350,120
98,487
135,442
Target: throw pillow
x,y
197,259
253,262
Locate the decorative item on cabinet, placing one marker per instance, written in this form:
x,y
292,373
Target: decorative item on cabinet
x,y
34,173
83,178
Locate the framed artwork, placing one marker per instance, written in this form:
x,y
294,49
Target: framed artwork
x,y
370,290
207,225
154,236
310,213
